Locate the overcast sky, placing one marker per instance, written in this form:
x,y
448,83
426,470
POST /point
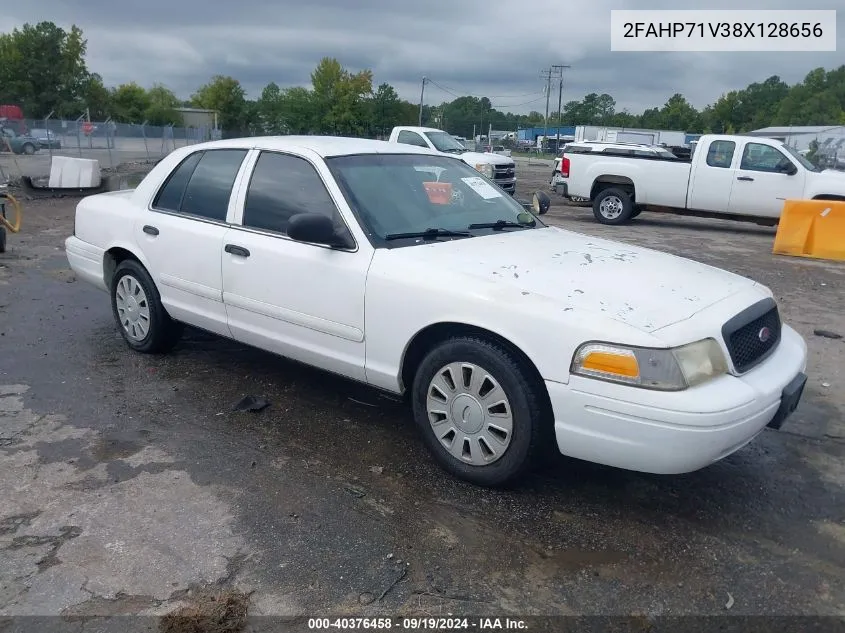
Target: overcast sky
x,y
481,47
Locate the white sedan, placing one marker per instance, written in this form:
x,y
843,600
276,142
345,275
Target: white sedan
x,y
410,272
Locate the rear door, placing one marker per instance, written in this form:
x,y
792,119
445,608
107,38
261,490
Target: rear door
x,y
712,178
181,236
762,183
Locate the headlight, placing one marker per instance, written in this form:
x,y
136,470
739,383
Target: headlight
x,y
670,369
486,169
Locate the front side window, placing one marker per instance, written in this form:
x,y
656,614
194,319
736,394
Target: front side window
x,y
283,186
759,157
393,195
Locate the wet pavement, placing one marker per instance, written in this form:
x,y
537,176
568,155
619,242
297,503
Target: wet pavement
x,y
129,480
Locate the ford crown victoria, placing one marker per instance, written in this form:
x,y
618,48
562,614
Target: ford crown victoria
x,y
411,272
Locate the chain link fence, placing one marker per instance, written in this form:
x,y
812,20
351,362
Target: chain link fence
x,y
27,147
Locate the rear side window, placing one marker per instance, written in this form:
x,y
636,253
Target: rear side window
x,y
411,138
721,153
170,196
282,186
202,184
208,191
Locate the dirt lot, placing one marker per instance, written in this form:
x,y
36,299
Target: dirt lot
x,y
128,484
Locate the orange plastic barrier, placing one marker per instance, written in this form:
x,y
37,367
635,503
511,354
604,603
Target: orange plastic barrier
x,y
812,228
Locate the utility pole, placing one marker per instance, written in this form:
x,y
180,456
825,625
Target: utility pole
x,y
559,69
547,75
422,94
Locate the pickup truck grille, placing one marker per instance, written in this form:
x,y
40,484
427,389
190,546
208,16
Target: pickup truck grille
x,y
504,172
753,334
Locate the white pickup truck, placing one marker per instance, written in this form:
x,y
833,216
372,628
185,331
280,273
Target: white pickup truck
x,y
499,169
733,177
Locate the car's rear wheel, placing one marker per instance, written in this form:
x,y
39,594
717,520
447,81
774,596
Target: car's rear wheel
x,y
479,410
141,318
613,206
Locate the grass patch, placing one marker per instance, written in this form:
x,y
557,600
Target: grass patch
x,y
220,612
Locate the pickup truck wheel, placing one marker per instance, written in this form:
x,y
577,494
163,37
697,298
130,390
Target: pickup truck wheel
x,y
136,304
478,410
613,206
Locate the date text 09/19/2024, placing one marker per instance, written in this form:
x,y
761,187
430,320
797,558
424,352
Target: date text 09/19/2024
x,y
763,30
418,624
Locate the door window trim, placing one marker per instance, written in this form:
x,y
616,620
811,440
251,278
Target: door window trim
x,y
240,202
232,194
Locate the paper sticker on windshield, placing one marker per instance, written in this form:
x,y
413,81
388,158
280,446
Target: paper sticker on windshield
x,y
482,187
438,192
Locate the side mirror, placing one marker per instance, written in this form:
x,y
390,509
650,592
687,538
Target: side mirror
x,y
315,228
791,169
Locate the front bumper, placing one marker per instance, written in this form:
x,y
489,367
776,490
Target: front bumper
x,y
675,432
507,185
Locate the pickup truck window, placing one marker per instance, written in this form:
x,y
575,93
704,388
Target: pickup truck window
x,y
445,142
801,159
760,157
282,186
721,153
411,138
208,191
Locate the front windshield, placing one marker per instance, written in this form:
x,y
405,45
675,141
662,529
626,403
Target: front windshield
x,y
396,194
445,142
801,159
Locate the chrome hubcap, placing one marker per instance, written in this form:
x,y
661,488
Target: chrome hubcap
x,y
469,413
611,207
133,309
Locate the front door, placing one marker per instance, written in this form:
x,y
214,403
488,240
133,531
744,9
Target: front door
x,y
761,185
302,301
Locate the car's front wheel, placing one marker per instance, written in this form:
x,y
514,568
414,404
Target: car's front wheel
x,y
29,149
479,410
141,318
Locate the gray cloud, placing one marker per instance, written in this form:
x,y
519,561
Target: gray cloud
x,y
466,46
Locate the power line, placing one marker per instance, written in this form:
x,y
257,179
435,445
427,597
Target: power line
x,y
454,93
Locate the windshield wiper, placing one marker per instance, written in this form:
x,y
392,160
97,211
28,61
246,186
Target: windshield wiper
x,y
428,234
498,225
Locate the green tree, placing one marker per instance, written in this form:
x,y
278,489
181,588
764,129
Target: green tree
x,y
130,103
42,69
96,97
225,95
162,107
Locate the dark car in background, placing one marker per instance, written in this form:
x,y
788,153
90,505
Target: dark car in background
x,y
46,138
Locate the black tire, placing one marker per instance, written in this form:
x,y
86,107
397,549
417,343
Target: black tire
x,y
163,332
29,149
2,240
636,212
529,415
614,198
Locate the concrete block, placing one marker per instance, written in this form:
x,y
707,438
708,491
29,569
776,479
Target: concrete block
x,y
67,172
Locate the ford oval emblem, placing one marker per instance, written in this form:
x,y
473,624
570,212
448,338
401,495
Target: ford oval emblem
x,y
764,334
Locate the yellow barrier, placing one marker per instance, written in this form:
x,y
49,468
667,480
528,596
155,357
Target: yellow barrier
x,y
812,228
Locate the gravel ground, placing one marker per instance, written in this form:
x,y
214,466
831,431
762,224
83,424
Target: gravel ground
x,y
128,484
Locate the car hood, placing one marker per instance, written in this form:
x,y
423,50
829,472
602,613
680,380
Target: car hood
x,y
830,178
473,158
645,289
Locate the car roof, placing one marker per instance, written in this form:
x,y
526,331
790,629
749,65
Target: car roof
x,y
325,146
